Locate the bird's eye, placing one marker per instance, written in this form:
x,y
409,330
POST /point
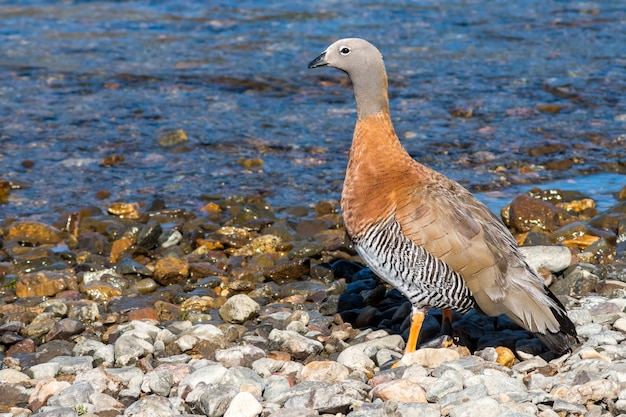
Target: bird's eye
x,y
344,50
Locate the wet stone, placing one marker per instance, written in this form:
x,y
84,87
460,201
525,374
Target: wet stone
x,y
527,212
288,271
65,328
33,233
100,291
173,138
148,236
306,250
130,266
577,280
44,283
170,270
322,272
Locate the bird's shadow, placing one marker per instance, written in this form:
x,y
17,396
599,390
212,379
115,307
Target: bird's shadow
x,y
369,303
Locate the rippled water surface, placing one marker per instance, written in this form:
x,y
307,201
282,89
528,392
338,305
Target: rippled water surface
x,y
543,81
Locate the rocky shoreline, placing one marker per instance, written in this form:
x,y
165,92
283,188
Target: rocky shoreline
x,y
240,310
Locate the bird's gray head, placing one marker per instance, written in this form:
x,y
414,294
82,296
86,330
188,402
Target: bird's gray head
x,y
364,65
349,55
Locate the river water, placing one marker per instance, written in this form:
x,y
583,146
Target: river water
x,y
80,81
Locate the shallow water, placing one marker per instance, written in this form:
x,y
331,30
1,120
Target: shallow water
x,y
82,81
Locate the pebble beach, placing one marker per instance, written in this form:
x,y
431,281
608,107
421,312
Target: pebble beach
x,y
242,310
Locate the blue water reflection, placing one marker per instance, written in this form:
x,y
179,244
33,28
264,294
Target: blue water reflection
x,y
82,81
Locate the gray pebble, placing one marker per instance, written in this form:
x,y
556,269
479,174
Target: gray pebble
x,y
551,258
323,397
481,407
76,394
104,356
580,316
216,398
130,347
239,308
470,393
71,365
211,374
158,382
294,412
418,410
152,406
294,343
266,366
567,407
239,355
449,382
44,370
239,376
276,386
57,412
497,383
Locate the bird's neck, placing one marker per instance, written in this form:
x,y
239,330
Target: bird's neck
x,y
375,138
370,92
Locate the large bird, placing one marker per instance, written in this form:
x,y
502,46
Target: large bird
x,y
424,233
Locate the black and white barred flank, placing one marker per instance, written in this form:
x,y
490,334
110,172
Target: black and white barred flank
x,y
424,279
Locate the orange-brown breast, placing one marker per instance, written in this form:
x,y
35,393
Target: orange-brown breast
x,y
377,164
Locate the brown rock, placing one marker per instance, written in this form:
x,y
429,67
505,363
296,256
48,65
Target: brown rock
x,y
100,291
621,195
125,210
289,271
170,270
506,357
577,281
559,165
198,304
279,356
24,346
12,395
173,138
547,149
167,311
118,247
309,228
44,283
609,220
250,162
143,313
549,108
5,188
65,328
527,212
34,233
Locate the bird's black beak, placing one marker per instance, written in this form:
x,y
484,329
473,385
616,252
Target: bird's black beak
x,y
320,61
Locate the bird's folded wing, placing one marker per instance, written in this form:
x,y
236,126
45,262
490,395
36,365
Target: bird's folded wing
x,y
450,223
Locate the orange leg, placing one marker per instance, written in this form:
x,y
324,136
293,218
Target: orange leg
x,y
417,319
446,322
